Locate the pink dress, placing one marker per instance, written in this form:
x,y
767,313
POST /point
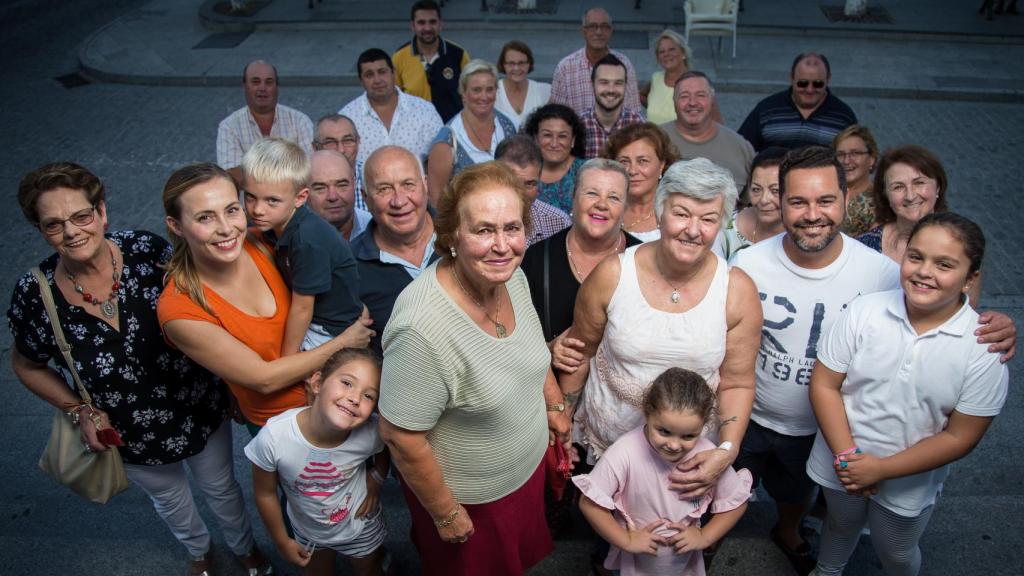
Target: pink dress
x,y
631,480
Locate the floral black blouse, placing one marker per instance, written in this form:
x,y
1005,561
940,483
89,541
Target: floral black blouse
x,y
164,405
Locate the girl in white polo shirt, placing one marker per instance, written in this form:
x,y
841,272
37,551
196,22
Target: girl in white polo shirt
x,y
901,389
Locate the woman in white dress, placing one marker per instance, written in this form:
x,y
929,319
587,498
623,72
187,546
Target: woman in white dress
x,y
669,302
517,94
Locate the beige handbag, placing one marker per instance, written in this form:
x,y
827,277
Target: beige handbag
x,y
95,476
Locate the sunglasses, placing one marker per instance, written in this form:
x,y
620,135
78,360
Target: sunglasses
x,y
818,84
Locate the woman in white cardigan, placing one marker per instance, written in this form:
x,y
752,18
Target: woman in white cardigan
x,y
518,96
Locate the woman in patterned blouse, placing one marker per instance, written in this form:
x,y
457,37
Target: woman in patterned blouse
x,y
857,151
167,410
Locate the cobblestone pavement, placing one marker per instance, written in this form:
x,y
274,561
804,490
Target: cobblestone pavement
x,y
134,136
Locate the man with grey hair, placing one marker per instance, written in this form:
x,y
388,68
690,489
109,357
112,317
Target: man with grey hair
x,y
572,83
332,194
522,154
338,132
261,117
398,244
696,134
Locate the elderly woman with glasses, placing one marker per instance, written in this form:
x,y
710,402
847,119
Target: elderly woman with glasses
x,y
472,135
168,411
669,302
518,96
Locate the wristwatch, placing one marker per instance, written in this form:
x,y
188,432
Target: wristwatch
x,y
557,407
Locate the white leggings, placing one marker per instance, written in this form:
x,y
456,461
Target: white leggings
x,y
894,537
214,474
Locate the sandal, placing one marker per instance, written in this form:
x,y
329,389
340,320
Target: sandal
x,y
802,558
256,563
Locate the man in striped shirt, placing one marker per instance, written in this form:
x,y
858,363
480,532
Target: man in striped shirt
x,y
805,114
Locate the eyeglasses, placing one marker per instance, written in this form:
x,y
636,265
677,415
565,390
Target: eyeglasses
x,y
851,154
603,27
818,84
333,144
517,64
81,219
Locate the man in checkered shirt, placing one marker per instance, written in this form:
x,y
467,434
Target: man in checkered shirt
x,y
572,85
607,113
261,117
522,154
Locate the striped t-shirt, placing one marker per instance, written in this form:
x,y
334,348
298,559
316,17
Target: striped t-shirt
x,y
776,121
481,398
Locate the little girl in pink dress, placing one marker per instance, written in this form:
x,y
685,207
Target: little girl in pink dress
x,y
627,499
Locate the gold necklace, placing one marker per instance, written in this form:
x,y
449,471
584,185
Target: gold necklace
x,y
637,221
572,264
499,328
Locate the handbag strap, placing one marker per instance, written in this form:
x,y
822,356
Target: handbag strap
x,y
548,334
58,333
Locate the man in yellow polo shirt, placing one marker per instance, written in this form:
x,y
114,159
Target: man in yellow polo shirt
x,y
429,66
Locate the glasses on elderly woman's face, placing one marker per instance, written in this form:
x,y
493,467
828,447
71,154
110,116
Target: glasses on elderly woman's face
x,y
818,84
851,154
81,219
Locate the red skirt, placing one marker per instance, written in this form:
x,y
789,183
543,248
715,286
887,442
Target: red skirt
x,y
509,535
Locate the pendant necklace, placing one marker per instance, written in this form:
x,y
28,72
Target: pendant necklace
x,y
479,139
108,307
675,291
637,221
499,328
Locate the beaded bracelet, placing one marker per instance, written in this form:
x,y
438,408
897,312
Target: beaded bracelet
x,y
450,518
843,463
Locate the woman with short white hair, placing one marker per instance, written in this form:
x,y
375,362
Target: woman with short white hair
x,y
472,135
669,302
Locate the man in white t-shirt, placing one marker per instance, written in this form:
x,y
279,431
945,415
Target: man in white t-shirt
x,y
805,277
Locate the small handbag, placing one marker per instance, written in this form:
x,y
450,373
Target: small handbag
x,y
95,476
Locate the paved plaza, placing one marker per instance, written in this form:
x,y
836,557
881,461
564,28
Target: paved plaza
x,y
948,81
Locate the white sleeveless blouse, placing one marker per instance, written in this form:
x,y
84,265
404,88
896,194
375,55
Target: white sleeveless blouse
x,y
639,344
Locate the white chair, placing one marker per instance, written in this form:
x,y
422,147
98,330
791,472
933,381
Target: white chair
x,y
712,18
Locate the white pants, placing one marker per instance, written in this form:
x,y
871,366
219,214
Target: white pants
x,y
214,474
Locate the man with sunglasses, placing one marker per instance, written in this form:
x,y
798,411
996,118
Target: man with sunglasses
x,y
805,114
572,84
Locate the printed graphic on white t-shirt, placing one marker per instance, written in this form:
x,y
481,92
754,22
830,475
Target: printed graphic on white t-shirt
x,y
799,305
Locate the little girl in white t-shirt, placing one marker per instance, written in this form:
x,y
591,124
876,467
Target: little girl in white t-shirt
x,y
626,498
901,389
318,454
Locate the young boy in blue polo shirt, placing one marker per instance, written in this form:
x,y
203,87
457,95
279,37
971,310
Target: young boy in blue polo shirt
x,y
313,258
